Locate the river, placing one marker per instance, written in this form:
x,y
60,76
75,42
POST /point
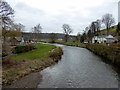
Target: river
x,y
79,68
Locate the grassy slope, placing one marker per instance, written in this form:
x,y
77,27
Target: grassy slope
x,y
41,52
112,31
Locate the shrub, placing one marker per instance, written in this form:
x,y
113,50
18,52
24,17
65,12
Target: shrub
x,y
56,54
22,49
4,54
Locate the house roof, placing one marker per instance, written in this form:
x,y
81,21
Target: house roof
x,y
16,38
106,37
109,36
102,36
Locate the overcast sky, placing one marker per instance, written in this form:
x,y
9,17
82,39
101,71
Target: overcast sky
x,y
52,14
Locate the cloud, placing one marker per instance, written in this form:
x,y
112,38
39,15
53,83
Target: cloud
x,y
27,15
24,7
52,14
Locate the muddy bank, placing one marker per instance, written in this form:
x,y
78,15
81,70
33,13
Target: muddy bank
x,y
29,81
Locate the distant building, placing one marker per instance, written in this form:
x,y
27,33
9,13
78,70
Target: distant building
x,y
104,39
119,11
16,41
99,39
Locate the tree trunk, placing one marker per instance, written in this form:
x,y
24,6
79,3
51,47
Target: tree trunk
x,y
107,30
66,38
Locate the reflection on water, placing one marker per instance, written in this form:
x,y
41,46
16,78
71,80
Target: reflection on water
x,y
79,68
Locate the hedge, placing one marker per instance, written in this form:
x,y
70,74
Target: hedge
x,y
23,48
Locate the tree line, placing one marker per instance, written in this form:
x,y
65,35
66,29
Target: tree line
x,y
94,29
12,29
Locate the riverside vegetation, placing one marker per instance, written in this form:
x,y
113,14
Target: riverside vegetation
x,y
68,43
110,53
19,65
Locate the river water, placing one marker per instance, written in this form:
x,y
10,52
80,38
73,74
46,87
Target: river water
x,y
79,68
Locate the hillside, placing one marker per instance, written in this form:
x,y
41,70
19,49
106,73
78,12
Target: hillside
x,y
112,31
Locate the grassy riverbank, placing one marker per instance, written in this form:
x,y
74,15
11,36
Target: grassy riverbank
x,y
69,43
110,53
20,65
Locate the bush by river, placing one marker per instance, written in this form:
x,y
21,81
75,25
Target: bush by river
x,y
110,53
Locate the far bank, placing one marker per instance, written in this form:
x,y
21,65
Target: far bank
x,y
109,53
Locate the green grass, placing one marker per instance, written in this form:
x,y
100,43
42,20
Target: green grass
x,y
41,52
23,64
111,31
71,43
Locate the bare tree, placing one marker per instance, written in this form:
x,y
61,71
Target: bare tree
x,y
98,26
6,14
93,28
89,36
67,30
78,36
37,30
19,27
83,37
16,30
108,20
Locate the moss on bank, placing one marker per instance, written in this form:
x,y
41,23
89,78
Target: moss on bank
x,y
20,65
110,53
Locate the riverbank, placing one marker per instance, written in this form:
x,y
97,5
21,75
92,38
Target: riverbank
x,y
110,54
79,68
69,43
21,65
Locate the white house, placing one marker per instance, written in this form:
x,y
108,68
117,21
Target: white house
x,y
104,39
22,41
99,39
